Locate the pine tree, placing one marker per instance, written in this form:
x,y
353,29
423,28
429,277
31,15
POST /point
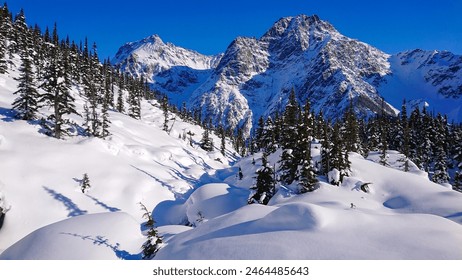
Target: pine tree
x,y
265,185
120,102
3,43
326,147
26,103
288,167
440,174
291,154
22,39
206,142
223,141
338,156
85,184
458,181
383,137
259,133
106,123
154,241
164,105
350,131
404,124
307,180
267,140
57,95
134,105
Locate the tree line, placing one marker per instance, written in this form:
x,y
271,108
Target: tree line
x,y
51,66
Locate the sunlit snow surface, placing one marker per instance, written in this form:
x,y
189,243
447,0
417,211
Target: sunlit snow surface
x,y
199,203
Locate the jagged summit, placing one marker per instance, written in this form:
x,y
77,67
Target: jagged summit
x,y
151,56
254,76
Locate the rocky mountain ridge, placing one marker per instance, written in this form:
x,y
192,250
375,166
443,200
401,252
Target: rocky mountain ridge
x,y
253,77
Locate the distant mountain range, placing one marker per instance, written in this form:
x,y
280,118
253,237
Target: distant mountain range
x,y
253,77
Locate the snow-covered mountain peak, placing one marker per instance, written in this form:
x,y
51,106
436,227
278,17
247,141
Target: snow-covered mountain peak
x,y
254,76
151,56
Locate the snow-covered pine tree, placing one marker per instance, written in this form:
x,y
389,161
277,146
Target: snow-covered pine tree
x,y
439,141
57,95
338,156
134,105
222,140
164,106
3,42
326,146
154,241
425,141
458,181
405,135
307,178
106,122
85,184
457,151
259,133
350,131
120,99
290,157
267,140
440,173
206,142
27,102
265,184
383,145
22,38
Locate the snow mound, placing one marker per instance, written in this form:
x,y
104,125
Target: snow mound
x,y
90,237
213,200
269,232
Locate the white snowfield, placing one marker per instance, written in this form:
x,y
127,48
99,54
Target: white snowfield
x,y
199,203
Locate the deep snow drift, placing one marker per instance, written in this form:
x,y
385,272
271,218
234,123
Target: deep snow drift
x,y
199,203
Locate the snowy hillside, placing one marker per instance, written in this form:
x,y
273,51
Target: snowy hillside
x,y
426,78
253,77
40,178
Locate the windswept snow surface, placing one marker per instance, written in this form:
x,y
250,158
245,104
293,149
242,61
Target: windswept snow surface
x,y
404,216
40,178
198,201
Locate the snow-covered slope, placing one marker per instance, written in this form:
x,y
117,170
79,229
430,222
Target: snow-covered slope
x,y
254,76
40,176
426,78
404,216
198,202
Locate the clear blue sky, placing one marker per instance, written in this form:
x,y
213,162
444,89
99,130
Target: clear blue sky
x,y
209,26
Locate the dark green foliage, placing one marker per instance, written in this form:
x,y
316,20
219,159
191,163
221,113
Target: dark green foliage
x,y
308,179
264,187
154,242
57,95
350,131
458,181
291,153
26,104
223,141
206,142
164,106
4,23
85,184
